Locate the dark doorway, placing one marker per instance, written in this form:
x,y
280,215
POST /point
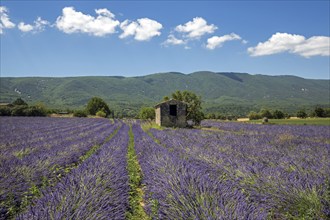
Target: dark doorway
x,y
173,110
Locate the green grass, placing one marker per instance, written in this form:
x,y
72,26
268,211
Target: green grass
x,y
300,205
147,125
135,178
306,121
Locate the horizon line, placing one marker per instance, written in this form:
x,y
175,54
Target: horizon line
x,y
174,72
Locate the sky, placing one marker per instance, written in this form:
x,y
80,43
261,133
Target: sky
x,y
134,38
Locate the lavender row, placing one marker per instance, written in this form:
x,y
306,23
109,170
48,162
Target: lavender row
x,y
308,131
177,188
26,132
97,189
45,161
215,147
275,171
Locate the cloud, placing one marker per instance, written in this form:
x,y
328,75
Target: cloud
x,y
25,27
190,31
39,26
314,46
244,41
172,40
143,29
216,41
196,28
72,21
296,44
5,20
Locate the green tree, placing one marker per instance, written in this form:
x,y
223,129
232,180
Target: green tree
x,y
194,105
319,112
39,109
147,113
220,116
5,111
34,111
301,114
166,98
254,116
19,101
327,112
101,114
265,113
19,110
96,104
210,116
79,113
277,114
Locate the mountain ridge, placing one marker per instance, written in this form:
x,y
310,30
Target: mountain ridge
x,y
220,91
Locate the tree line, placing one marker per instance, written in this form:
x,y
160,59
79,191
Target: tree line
x,y
277,114
98,107
20,108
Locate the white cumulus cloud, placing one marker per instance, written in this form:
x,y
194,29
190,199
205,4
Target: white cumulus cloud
x,y
196,28
292,43
72,21
190,31
25,27
39,26
314,46
142,29
5,20
172,40
216,41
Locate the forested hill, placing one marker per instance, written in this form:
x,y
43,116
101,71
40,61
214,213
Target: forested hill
x,y
221,92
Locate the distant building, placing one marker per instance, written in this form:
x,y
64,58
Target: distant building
x,y
171,113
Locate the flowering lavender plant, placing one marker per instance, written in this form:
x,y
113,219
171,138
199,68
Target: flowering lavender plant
x,y
36,152
93,169
97,189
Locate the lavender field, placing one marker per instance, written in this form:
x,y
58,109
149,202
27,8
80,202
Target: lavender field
x,y
81,168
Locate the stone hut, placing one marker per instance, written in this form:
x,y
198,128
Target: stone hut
x,y
171,113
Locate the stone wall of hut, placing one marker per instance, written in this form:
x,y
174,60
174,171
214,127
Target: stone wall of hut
x,y
171,113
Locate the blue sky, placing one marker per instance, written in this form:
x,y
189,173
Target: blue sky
x,y
132,38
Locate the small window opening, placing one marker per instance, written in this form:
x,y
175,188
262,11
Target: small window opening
x,y
173,110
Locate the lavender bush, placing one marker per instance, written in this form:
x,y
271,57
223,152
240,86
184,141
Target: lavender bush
x,y
178,186
97,189
284,169
35,152
75,169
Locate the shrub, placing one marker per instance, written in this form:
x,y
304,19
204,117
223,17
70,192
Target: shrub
x,y
147,113
5,111
265,113
277,114
254,116
327,112
19,110
19,101
80,114
319,112
221,117
211,116
101,114
301,114
231,118
34,111
97,104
